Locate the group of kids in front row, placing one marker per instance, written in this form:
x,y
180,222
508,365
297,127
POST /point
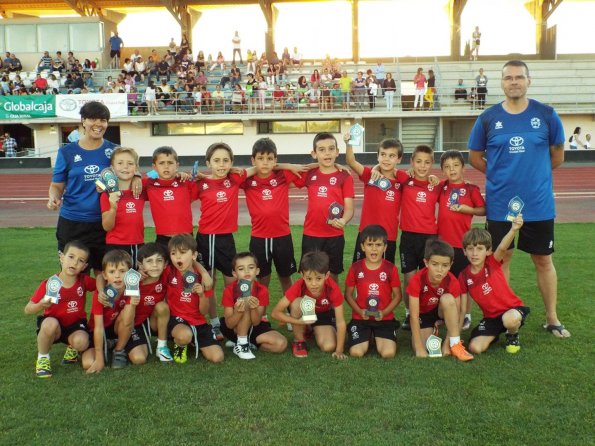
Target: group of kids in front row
x,y
445,262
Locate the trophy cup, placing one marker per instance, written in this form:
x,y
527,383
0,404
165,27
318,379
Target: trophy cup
x,y
380,183
515,206
190,279
356,133
195,170
335,210
372,310
108,181
308,307
453,198
52,289
245,287
132,282
111,294
434,346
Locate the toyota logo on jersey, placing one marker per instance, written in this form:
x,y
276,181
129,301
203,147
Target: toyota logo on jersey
x,y
421,197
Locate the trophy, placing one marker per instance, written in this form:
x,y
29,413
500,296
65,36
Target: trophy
x,y
356,133
52,289
434,346
308,307
372,307
381,183
132,282
515,206
453,198
190,279
245,287
195,170
111,292
335,210
108,181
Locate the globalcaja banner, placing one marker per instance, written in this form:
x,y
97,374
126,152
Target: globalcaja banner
x,y
69,105
30,106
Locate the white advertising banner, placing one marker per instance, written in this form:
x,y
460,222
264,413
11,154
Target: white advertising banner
x,y
69,105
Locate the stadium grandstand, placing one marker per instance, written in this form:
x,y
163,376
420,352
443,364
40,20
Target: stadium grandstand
x,y
171,95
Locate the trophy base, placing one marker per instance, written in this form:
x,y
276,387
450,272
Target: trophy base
x,y
134,293
434,355
374,314
311,318
51,299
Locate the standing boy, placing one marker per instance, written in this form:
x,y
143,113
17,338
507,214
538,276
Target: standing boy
x,y
329,326
66,320
328,188
434,295
244,310
378,291
486,283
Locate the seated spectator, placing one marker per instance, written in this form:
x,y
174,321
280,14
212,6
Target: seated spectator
x,y
88,81
45,63
15,65
220,61
336,73
274,59
286,57
133,102
70,61
128,66
278,97
315,76
163,70
162,97
290,100
129,82
271,75
296,59
155,55
336,95
53,84
151,67
141,69
325,98
87,66
197,98
135,56
201,79
184,62
236,75
225,75
327,63
218,98
58,63
326,78
262,62
237,99
190,82
40,83
281,71
205,97
77,83
460,91
69,82
313,95
170,59
200,61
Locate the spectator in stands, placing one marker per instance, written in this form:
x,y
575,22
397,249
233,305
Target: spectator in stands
x,y
278,98
12,64
170,60
419,81
379,73
9,146
359,91
128,66
151,67
207,102
172,48
197,98
201,79
77,83
87,66
220,61
460,91
296,59
135,55
286,57
129,82
155,55
236,75
262,91
587,141
336,73
190,82
281,73
184,47
151,98
346,83
250,62
40,82
429,96
184,62
274,60
372,87
251,92
70,61
290,99
575,141
237,47
315,76
200,61
481,82
389,87
58,63
162,96
116,45
88,81
53,84
237,99
313,95
218,99
271,75
163,71
326,78
45,63
225,76
262,62
140,68
475,42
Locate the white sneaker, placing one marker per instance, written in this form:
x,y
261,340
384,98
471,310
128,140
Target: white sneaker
x,y
243,351
164,354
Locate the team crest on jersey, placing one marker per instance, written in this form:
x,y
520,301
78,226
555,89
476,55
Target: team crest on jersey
x,y
79,291
158,288
360,275
168,195
108,152
390,195
205,186
397,186
174,184
273,182
324,302
535,123
77,158
267,194
430,187
440,291
421,197
469,282
227,183
253,184
463,192
322,191
313,178
498,125
174,281
425,290
332,181
383,276
410,183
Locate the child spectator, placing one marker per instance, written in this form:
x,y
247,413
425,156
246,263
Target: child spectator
x,y
188,303
328,189
381,206
105,323
122,213
485,282
434,295
66,320
377,292
316,283
459,201
243,315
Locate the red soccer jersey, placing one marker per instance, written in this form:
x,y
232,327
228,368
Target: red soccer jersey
x,y
489,288
183,303
382,207
71,307
109,314
323,190
219,204
453,225
330,297
129,228
429,297
268,203
378,283
150,295
170,202
232,293
418,207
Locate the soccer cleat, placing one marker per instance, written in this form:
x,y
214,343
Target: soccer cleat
x,y
242,351
217,335
512,343
466,323
405,325
300,349
460,352
120,359
180,355
43,368
164,354
71,356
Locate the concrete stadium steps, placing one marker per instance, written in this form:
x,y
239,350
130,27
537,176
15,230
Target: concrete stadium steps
x,y
418,131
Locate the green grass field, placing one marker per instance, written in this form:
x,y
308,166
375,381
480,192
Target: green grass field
x,y
543,395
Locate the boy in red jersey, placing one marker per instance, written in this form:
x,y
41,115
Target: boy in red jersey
x,y
329,327
381,206
326,186
150,312
104,322
188,303
122,213
169,197
418,217
243,324
459,201
378,291
486,283
65,321
434,295
267,197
